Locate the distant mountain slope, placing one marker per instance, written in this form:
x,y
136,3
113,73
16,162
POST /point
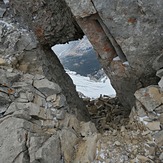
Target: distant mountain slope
x,y
78,56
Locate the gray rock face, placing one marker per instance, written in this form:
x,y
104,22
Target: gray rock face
x,y
134,30
51,20
35,125
158,62
20,49
81,9
161,83
150,97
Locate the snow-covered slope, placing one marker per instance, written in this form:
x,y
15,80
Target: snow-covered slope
x,y
90,88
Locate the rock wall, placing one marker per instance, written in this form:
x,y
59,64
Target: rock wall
x,y
130,30
21,50
35,121
50,20
35,124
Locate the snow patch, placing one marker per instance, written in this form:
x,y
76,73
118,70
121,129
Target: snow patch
x,y
142,119
91,88
126,63
116,58
5,23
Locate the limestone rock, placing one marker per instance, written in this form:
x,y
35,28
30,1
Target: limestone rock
x,y
2,61
154,126
81,9
17,135
143,158
150,97
2,11
68,143
88,129
46,87
60,101
161,83
161,118
158,62
50,151
60,114
4,99
159,138
87,149
58,21
161,156
159,73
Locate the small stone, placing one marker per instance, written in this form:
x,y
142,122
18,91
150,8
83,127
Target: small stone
x,y
154,126
39,77
10,70
4,99
117,143
161,83
30,96
161,118
158,62
114,132
47,87
159,138
87,129
2,61
2,11
142,158
39,100
159,73
60,114
3,109
161,156
123,128
28,78
24,67
145,133
159,109
60,101
51,98
150,97
150,149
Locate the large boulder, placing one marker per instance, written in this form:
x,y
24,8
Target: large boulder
x,y
128,27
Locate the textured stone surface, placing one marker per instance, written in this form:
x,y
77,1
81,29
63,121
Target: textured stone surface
x,y
161,83
128,23
20,49
132,22
159,73
158,62
150,97
154,126
51,20
81,8
46,87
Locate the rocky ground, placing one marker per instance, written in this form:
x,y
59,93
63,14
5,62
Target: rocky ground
x,y
37,124
134,138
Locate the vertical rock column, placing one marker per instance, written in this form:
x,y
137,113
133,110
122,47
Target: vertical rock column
x,y
112,58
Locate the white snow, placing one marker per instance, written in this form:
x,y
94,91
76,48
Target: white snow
x,y
6,1
92,88
142,119
5,23
116,58
126,63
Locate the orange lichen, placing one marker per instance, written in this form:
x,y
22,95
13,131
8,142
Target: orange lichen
x,y
10,91
39,32
132,20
